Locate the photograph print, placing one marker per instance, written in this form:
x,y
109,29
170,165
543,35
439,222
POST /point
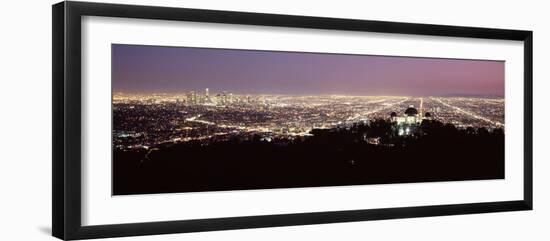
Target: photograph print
x,y
188,119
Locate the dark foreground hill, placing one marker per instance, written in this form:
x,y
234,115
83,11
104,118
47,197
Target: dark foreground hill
x,y
341,156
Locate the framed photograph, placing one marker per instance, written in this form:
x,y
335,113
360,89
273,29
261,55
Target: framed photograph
x,y
169,120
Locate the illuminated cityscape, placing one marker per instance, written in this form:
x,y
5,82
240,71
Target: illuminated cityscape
x,y
187,119
146,120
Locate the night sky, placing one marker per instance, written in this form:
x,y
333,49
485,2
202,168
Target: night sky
x,y
152,69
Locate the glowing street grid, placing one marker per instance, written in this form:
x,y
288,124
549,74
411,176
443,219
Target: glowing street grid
x,y
147,120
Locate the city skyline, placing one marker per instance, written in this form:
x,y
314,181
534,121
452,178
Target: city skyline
x,y
154,69
197,119
201,142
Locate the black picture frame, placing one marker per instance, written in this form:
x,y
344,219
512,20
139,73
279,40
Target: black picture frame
x,y
66,169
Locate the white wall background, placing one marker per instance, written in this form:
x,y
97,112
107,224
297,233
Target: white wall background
x,y
25,119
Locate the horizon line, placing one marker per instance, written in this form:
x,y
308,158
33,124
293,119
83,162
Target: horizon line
x,y
278,94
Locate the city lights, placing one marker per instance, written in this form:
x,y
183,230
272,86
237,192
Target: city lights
x,y
144,120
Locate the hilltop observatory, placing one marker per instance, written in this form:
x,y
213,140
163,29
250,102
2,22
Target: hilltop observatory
x,y
408,123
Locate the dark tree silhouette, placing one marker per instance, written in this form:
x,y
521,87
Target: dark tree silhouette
x,y
330,157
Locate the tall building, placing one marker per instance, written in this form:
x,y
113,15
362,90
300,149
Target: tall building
x,y
421,106
224,98
191,98
207,99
